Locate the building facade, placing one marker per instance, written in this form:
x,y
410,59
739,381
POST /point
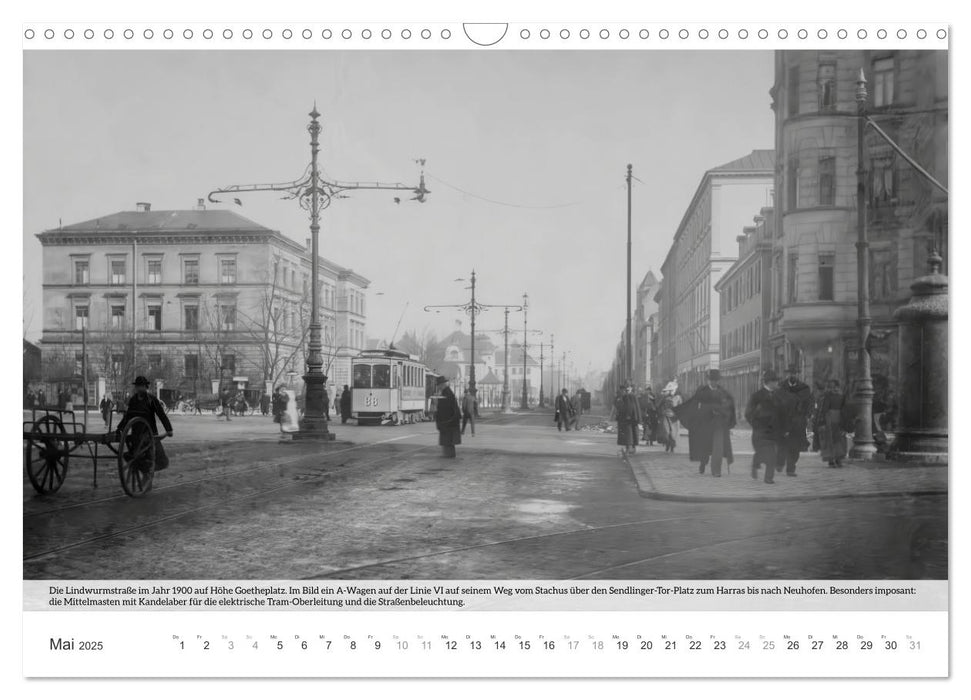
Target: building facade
x,y
814,280
704,247
194,299
744,301
645,317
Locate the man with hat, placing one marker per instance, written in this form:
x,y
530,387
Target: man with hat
x,y
796,401
709,416
448,418
764,414
145,405
628,414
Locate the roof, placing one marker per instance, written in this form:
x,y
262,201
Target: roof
x,y
167,220
759,159
515,359
490,378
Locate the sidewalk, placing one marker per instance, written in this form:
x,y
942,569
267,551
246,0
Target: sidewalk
x,y
672,477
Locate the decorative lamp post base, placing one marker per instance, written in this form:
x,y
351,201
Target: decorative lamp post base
x,y
863,453
313,425
919,447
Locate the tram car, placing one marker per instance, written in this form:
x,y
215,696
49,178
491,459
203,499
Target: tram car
x,y
388,385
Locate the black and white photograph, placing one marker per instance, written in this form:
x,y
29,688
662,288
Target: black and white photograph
x,y
478,315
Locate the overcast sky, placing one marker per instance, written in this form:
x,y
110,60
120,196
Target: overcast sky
x,y
545,136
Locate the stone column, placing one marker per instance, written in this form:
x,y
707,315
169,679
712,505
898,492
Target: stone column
x,y
922,434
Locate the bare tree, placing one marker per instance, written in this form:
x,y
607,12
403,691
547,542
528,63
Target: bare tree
x,y
424,344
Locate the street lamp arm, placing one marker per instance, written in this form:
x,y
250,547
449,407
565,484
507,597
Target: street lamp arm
x,y
294,188
872,124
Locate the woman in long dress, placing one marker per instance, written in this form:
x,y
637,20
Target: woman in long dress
x,y
829,425
667,420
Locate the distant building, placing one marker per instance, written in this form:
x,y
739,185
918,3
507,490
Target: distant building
x,y
194,299
703,249
744,293
814,286
645,317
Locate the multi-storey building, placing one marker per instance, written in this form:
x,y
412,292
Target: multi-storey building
x,y
194,299
703,249
814,285
744,294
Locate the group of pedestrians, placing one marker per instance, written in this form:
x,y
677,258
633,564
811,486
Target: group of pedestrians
x,y
567,410
778,413
647,417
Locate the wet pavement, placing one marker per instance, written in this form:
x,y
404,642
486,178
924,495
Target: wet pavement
x,y
521,500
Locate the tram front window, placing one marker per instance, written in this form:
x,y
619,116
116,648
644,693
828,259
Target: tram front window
x,y
362,376
382,376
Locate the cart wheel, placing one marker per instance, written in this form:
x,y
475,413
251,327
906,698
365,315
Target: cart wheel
x,y
46,454
136,457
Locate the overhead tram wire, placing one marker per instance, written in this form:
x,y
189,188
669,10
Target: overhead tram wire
x,y
514,205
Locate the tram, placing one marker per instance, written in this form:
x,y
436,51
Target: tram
x,y
388,385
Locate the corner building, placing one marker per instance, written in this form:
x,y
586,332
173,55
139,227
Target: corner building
x,y
814,288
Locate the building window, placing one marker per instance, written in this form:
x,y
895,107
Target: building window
x,y
154,363
883,185
792,184
116,361
827,181
153,272
227,271
883,82
792,91
190,271
191,318
117,317
883,274
228,363
227,317
154,317
80,317
191,366
82,272
826,82
826,263
117,271
791,278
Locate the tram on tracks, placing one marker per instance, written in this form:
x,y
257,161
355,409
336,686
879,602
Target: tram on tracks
x,y
389,385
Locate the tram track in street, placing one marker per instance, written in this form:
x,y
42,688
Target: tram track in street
x,y
223,502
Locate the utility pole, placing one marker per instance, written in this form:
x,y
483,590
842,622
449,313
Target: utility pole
x,y
541,403
629,358
472,344
556,391
524,401
134,302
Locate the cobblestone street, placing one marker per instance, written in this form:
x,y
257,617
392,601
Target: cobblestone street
x,y
520,501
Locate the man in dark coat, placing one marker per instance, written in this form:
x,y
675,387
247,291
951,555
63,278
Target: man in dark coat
x,y
264,403
345,404
105,407
764,414
448,419
564,410
709,416
796,399
145,405
648,404
628,413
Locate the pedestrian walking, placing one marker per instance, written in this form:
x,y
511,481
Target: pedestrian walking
x,y
345,404
668,425
709,416
145,405
764,414
628,414
326,405
470,409
648,404
105,407
564,408
264,403
828,424
796,400
576,403
225,404
448,418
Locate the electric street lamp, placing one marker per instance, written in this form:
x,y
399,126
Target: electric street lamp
x,y
315,194
524,401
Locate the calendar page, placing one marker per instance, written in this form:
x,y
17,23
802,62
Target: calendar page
x,y
390,347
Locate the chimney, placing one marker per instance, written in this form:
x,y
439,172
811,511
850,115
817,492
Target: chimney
x,y
143,206
200,204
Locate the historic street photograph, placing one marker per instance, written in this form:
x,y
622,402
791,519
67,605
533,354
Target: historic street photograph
x,y
414,314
